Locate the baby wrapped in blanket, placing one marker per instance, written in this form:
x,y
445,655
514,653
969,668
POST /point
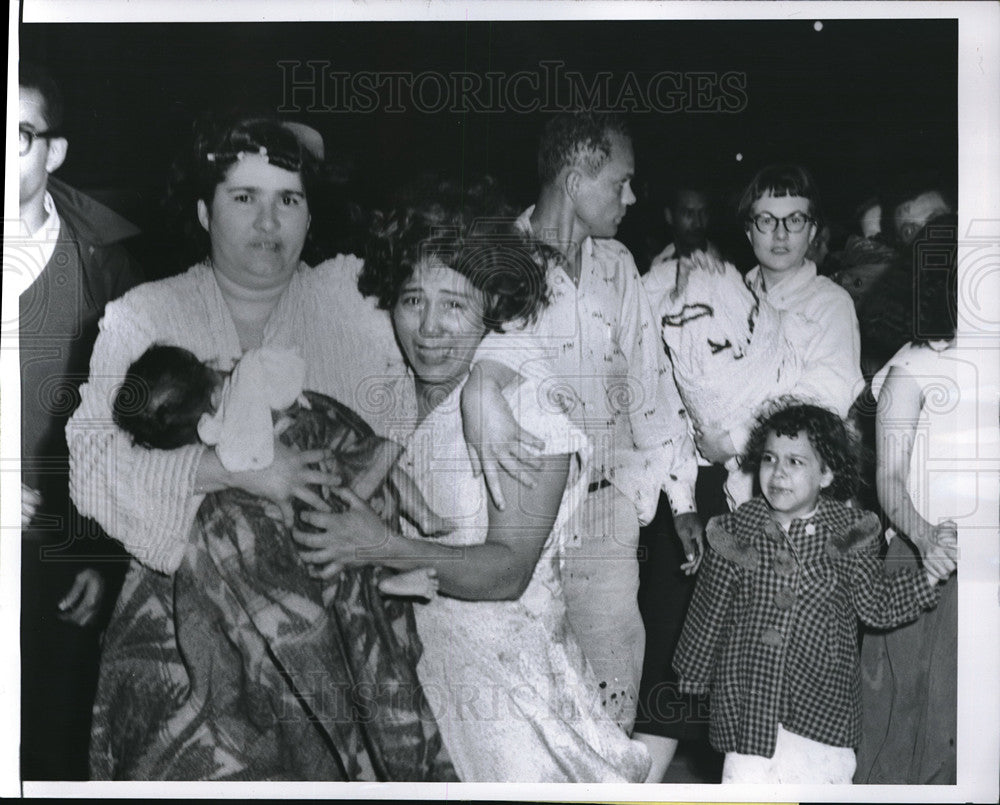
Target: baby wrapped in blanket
x,y
170,398
731,352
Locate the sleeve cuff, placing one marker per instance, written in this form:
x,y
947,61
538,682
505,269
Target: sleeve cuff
x,y
928,595
689,687
681,497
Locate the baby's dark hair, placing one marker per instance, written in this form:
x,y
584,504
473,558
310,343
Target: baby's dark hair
x,y
164,395
830,437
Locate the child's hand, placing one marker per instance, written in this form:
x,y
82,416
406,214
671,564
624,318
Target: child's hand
x,y
496,442
940,552
351,537
420,583
414,507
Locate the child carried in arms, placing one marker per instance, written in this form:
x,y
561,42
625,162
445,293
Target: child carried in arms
x,y
170,399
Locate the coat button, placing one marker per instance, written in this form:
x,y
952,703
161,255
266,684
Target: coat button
x,y
784,599
771,637
784,564
810,529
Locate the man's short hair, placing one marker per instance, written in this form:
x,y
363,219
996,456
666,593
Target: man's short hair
x,y
33,76
578,138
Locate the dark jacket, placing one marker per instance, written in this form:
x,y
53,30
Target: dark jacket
x,y
772,631
59,314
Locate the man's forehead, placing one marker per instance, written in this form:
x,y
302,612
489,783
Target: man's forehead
x,y
621,153
31,106
691,199
931,200
620,143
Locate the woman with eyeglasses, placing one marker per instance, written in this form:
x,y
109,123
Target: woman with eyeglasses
x,y
783,330
780,209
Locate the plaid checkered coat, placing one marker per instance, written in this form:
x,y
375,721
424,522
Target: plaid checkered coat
x,y
772,631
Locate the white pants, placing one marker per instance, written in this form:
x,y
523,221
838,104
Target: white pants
x,y
796,760
601,584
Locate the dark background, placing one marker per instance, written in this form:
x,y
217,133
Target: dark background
x,y
859,102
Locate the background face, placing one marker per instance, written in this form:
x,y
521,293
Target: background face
x,y
33,172
792,475
909,218
257,223
689,219
780,250
438,319
605,198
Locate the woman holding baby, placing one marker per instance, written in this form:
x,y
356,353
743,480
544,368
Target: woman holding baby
x,y
200,673
224,660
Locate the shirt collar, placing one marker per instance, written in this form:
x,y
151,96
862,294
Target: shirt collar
x,y
790,284
524,223
49,230
775,530
586,248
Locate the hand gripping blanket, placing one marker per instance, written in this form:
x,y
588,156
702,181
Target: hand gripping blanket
x,y
232,668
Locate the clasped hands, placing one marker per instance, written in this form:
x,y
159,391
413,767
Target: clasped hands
x,y
939,551
354,535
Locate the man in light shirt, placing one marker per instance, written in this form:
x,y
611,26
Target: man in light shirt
x,y
597,348
63,265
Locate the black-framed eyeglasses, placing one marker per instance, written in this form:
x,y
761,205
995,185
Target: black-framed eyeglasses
x,y
26,138
794,223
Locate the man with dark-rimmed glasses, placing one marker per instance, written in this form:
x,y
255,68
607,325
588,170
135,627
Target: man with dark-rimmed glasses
x,y
64,261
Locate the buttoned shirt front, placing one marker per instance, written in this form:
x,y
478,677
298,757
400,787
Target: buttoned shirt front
x,y
596,353
772,629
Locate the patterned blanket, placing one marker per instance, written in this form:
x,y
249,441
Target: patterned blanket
x,y
232,668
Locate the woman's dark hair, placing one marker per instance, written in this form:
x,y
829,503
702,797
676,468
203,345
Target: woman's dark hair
x,y
836,444
780,180
472,231
217,145
164,395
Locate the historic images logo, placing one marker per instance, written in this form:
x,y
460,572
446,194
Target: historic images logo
x,y
316,86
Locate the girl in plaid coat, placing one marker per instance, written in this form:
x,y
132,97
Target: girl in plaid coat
x,y
771,633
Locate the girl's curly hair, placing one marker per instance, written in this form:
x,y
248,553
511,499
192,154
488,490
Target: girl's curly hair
x,y
470,230
834,442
